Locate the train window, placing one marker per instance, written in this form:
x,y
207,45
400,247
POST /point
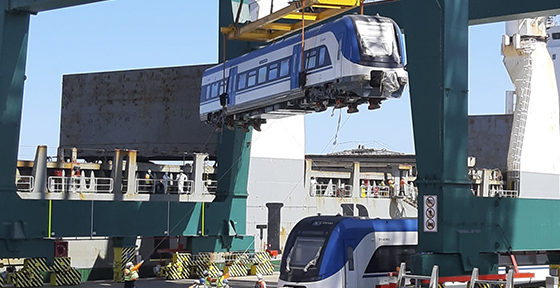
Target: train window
x,y
242,81
305,250
377,39
340,42
252,79
262,74
555,36
284,67
214,90
311,59
322,56
350,258
388,258
273,71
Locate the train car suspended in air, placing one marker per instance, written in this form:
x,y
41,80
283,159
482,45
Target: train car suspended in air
x,y
354,60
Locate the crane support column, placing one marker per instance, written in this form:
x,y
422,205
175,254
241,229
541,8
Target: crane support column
x,y
17,236
437,41
14,27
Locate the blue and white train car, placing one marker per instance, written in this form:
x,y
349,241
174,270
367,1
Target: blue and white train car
x,y
346,252
353,60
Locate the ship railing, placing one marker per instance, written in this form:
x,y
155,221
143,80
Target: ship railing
x,y
330,190
210,186
147,186
504,193
368,191
60,184
25,183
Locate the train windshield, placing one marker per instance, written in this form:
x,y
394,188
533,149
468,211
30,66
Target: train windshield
x,y
377,40
305,252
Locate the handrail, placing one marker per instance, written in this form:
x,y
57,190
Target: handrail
x,y
58,184
369,191
504,193
401,278
25,183
508,283
169,186
329,190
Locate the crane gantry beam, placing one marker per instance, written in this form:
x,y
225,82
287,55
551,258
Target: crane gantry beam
x,y
36,6
274,26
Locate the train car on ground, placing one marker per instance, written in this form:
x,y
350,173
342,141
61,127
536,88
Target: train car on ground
x,y
353,60
348,252
338,251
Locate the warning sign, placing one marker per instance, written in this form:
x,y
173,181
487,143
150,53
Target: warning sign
x,y
430,213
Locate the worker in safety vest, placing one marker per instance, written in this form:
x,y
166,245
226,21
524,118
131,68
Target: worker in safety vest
x,y
149,182
391,185
221,280
207,279
403,186
131,274
260,282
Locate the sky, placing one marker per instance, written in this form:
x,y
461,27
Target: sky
x,y
136,34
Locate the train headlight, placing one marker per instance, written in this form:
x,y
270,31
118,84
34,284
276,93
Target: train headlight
x,y
403,80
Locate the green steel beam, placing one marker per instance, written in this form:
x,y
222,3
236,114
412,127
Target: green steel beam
x,y
13,49
480,11
437,41
14,27
36,6
487,11
469,230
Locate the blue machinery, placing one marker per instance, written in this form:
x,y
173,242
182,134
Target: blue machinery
x,y
437,40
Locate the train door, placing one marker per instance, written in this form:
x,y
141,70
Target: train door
x,y
350,269
294,75
232,85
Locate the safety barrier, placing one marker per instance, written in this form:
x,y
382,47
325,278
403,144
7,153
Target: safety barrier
x,y
237,264
25,183
122,256
34,269
403,277
61,264
63,273
36,265
476,282
59,184
27,278
203,262
330,190
185,265
69,277
30,275
179,268
262,264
